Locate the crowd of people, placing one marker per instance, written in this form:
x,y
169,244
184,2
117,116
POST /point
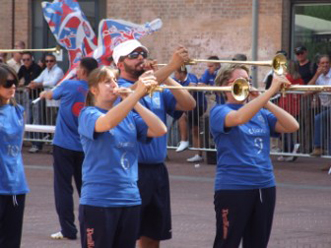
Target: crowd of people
x,y
108,113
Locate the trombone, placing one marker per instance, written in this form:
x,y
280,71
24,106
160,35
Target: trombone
x,y
278,63
240,89
56,50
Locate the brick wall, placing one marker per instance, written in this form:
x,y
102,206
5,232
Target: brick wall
x,y
205,27
22,22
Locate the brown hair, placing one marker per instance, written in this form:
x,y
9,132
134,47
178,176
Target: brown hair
x,y
98,75
293,69
5,70
225,73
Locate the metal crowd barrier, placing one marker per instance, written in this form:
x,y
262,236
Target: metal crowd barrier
x,y
314,119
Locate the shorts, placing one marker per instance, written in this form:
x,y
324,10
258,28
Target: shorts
x,y
154,190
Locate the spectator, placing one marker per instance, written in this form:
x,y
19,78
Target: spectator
x,y
16,61
49,77
291,104
3,58
309,102
239,57
189,79
322,120
28,72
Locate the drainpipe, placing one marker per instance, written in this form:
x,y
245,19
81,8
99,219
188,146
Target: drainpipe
x,y
255,34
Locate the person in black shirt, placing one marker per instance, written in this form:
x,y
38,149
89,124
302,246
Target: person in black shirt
x,y
307,70
27,73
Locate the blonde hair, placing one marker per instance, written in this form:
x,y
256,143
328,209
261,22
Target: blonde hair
x,y
5,70
98,75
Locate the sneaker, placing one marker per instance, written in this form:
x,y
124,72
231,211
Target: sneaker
x,y
195,158
317,152
183,145
296,148
290,159
57,235
281,159
34,149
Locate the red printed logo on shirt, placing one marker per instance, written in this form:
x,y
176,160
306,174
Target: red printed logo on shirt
x,y
76,108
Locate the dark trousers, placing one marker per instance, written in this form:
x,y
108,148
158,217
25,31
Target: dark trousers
x,y
11,220
67,164
244,214
109,227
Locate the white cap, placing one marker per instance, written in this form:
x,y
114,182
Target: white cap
x,y
125,48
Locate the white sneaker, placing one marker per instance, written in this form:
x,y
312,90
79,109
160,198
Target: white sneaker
x,y
33,149
183,145
296,148
195,158
57,235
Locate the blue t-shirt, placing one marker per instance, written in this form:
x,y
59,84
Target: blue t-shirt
x,y
72,94
110,167
161,104
12,176
209,79
243,160
198,95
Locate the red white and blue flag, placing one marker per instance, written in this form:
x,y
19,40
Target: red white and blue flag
x,y
73,31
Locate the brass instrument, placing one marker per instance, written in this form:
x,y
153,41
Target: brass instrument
x,y
56,50
278,63
240,89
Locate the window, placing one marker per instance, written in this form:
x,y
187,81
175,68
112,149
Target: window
x,y
311,27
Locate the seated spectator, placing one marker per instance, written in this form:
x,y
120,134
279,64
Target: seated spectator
x,y
322,120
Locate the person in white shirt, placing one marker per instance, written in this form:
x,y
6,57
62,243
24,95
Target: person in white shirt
x,y
16,61
322,120
50,76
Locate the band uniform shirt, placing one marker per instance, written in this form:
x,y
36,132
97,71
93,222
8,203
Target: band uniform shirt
x,y
161,104
324,80
12,176
243,160
49,78
110,167
209,79
72,94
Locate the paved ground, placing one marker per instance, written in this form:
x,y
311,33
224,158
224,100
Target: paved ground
x,y
302,218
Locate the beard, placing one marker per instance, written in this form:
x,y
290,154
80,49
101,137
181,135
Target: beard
x,y
134,71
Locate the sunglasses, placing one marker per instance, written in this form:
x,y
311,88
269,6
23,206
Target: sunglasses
x,y
135,55
49,61
9,83
299,53
26,60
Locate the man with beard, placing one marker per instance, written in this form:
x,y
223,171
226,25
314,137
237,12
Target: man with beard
x,y
130,58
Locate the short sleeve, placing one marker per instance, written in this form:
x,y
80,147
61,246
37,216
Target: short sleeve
x,y
217,119
87,120
272,120
142,128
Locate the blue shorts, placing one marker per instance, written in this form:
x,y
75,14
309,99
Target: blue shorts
x,y
154,190
109,227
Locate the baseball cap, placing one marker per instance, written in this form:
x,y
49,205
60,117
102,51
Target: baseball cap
x,y
125,48
300,49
